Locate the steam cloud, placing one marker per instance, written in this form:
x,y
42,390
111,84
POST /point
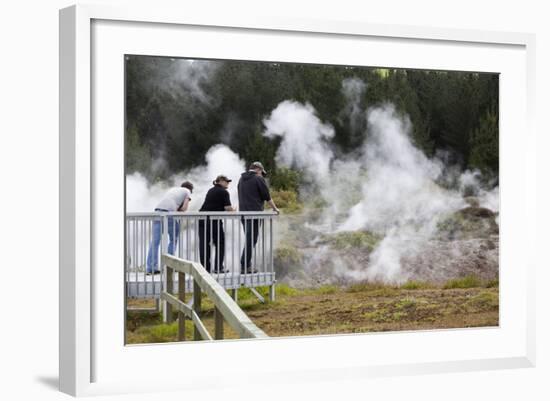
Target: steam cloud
x,y
388,187
189,77
353,90
303,133
143,197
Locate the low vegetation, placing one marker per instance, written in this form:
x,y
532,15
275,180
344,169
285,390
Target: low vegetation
x,y
352,239
359,308
416,285
287,259
287,201
464,282
470,222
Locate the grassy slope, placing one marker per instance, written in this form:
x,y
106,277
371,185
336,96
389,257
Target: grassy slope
x,y
357,309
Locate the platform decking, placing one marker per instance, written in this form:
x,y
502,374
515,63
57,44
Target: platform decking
x,y
142,286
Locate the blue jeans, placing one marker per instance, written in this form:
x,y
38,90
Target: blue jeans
x,y
173,234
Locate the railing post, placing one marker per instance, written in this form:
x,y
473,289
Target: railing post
x,y
169,289
271,268
166,308
272,293
157,305
218,324
181,315
197,298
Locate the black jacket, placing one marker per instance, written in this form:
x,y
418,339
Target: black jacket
x,y
217,198
253,192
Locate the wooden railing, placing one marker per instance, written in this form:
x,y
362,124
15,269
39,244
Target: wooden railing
x,y
225,308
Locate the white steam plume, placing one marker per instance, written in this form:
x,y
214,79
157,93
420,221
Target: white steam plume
x,y
219,160
142,197
400,198
353,90
190,76
399,188
389,188
304,139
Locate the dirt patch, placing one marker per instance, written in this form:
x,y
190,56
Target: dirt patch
x,y
342,311
369,312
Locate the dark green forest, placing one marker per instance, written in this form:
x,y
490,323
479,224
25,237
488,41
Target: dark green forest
x,y
176,115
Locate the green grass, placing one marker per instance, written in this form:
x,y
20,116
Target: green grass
x,y
285,290
406,303
484,301
464,282
324,289
362,307
373,289
287,201
368,286
404,310
160,333
352,239
416,285
287,259
492,284
244,294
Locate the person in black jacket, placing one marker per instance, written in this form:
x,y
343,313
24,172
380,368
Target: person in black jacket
x,y
211,230
253,192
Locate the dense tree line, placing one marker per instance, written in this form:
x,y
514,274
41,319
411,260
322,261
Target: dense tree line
x,y
175,112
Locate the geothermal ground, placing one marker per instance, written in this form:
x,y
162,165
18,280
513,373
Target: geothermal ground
x,y
463,243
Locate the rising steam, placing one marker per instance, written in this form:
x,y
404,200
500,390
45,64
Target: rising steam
x,y
143,197
387,187
353,90
303,134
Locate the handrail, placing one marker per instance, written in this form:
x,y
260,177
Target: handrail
x,y
197,214
225,308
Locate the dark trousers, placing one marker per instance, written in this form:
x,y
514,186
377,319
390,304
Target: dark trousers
x,y
251,230
211,232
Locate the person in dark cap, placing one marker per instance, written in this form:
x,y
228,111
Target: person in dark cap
x,y
211,230
253,192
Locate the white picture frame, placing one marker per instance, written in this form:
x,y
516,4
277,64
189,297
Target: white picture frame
x,y
80,213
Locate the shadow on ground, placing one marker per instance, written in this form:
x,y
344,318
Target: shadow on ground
x,y
51,382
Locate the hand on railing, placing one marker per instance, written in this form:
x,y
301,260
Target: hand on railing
x,y
274,206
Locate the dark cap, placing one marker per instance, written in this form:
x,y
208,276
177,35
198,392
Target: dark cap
x,y
222,178
259,165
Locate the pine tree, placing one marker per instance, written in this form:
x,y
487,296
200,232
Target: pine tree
x,y
484,144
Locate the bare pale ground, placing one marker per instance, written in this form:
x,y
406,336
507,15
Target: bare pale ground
x,y
335,310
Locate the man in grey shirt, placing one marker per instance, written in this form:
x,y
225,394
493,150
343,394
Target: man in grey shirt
x,y
175,200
